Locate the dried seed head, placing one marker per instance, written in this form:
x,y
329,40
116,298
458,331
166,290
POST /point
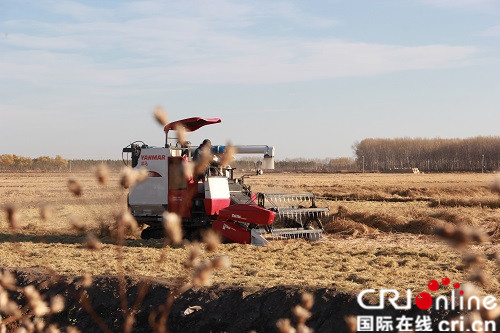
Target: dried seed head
x,y
307,300
77,224
126,177
105,229
75,187
8,280
351,323
479,236
459,236
92,242
194,255
228,155
40,308
202,274
86,280
173,227
301,314
57,304
28,324
39,324
470,319
284,326
31,292
478,276
495,185
45,212
129,177
445,231
211,239
492,314
469,291
141,175
181,134
221,262
12,216
161,116
52,329
127,220
102,174
473,259
72,329
129,323
188,169
302,328
203,162
4,299
21,330
12,309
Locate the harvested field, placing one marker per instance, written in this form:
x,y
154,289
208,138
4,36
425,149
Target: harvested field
x,y
375,243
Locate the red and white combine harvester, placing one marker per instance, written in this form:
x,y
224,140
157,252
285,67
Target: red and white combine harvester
x,y
216,199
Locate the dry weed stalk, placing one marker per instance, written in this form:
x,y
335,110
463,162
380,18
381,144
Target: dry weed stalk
x,y
30,317
211,239
181,134
38,306
301,313
351,323
495,185
461,236
285,326
92,242
102,174
228,155
45,212
130,177
75,187
203,162
173,227
12,216
160,116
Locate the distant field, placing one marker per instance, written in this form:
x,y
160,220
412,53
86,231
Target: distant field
x,y
380,242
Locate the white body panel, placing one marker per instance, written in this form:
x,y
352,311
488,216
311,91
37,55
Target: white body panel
x,y
216,188
153,190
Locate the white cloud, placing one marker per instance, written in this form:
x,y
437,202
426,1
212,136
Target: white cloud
x,y
492,31
195,42
479,4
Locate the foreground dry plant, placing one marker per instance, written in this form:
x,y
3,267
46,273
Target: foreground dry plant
x,y
388,229
30,317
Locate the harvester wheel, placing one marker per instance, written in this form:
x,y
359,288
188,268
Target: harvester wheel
x,y
153,233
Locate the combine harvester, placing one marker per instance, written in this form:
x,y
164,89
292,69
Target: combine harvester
x,y
216,199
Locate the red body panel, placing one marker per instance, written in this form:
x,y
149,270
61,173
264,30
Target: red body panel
x,y
213,206
192,124
252,214
232,231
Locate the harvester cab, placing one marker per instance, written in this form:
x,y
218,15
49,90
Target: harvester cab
x,y
216,200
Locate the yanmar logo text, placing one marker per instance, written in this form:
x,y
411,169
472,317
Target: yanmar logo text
x,y
153,157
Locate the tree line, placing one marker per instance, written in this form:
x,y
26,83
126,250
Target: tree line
x,y
374,154
438,155
42,163
12,162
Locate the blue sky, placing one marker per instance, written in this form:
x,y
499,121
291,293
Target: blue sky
x,y
81,78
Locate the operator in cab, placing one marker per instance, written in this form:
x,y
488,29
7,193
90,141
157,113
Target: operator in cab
x,y
206,144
